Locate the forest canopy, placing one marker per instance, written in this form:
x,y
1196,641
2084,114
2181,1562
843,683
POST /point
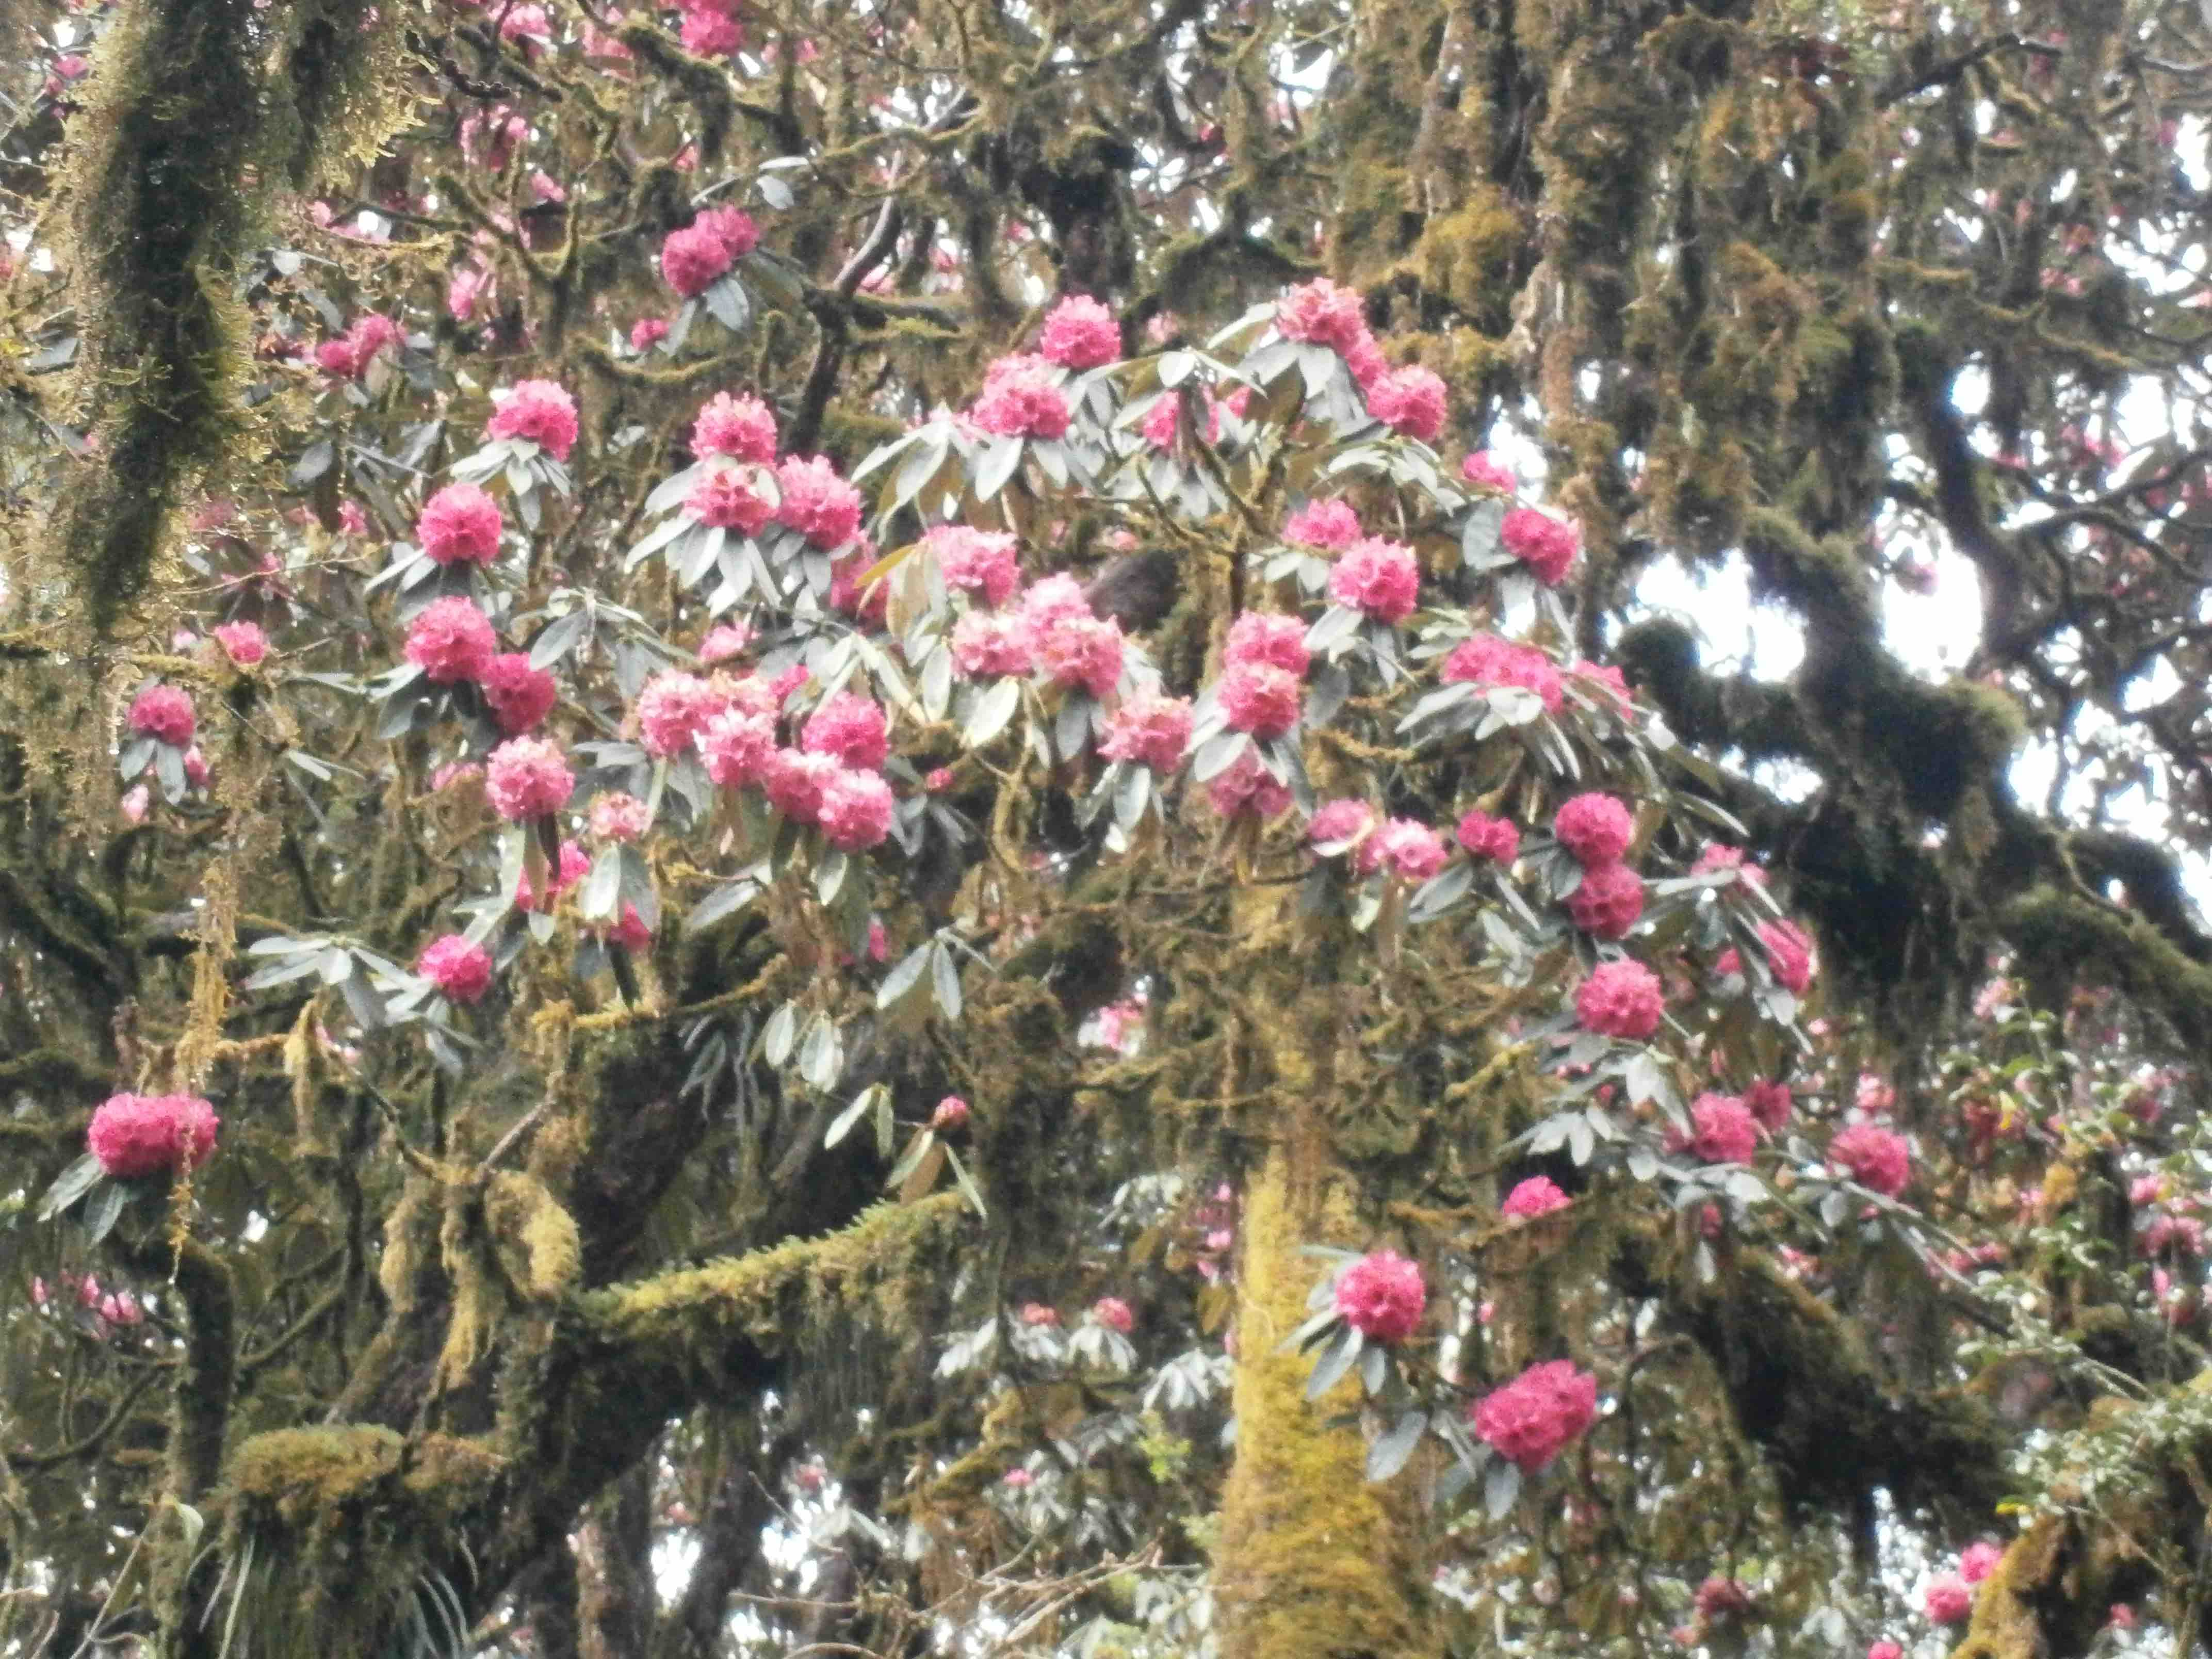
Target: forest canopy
x,y
905,826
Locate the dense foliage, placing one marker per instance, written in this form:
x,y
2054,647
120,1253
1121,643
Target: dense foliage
x,y
861,827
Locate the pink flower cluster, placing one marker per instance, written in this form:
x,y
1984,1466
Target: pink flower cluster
x,y
1021,398
460,524
1114,1314
1620,999
459,968
566,871
1247,785
742,428
1596,830
619,816
1608,902
1723,1132
1408,400
1486,472
518,696
1381,1297
693,259
1410,852
1537,1195
450,640
1380,579
1148,729
816,502
243,642
1081,333
728,498
1331,524
135,1135
1487,659
528,778
165,714
851,727
1879,1159
538,411
1535,1417
348,357
1337,826
1546,544
1486,837
984,563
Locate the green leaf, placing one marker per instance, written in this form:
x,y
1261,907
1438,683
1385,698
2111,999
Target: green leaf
x,y
910,1160
1335,1360
104,1209
992,710
1501,1488
903,978
69,1186
966,1183
944,981
728,899
1390,1451
842,1124
603,887
781,1033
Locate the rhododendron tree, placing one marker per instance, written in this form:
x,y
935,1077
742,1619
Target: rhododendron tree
x,y
858,832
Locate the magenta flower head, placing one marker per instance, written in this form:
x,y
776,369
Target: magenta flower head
x,y
1148,729
518,696
1879,1159
1021,398
460,524
1608,903
1788,953
165,714
1622,999
850,726
1114,1314
538,411
1320,312
1535,1417
1268,637
459,968
855,810
528,778
1381,1297
1949,1600
243,642
1260,699
1379,578
952,1112
1538,1195
1486,472
984,562
1081,333
450,638
1331,524
135,1135
816,502
742,428
1597,829
1409,400
1724,1130
693,259
1486,837
1546,544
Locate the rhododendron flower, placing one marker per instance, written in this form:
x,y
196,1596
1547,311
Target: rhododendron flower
x,y
693,259
1486,837
243,642
196,768
1018,1479
460,524
1380,578
1979,1560
1486,472
450,638
725,641
1337,824
1537,1195
1532,1417
1546,544
1788,953
737,745
851,727
1724,1131
987,643
528,778
1949,1600
1261,698
1114,1314
619,816
164,713
1057,599
630,933
710,34
1885,1650
952,1112
1081,333
1597,829
463,289
1412,852
817,503
1163,420
1148,729
136,801
135,1135
673,707
795,780
1769,1104
733,227
648,332
1621,1000
1021,398
538,411
1609,902
1486,660
518,695
1381,1296
1364,357
868,605
1320,312
1267,638
1082,653
855,810
1331,525
460,968
1718,857
570,868
1036,1313
726,498
1719,1598
980,561
1247,785
1409,400
741,427
1879,1159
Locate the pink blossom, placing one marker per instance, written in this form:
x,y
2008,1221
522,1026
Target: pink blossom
x,y
528,778
164,713
795,780
1148,729
2122,1616
1788,953
487,140
733,227
1021,398
1081,333
673,707
1380,578
708,33
1486,660
565,870
1409,400
1770,1104
1874,1095
1411,852
1486,472
135,1135
1609,902
1320,312
737,745
1724,1131
243,642
1546,544
724,641
987,643
1381,1297
855,810
741,427
1247,785
648,332
982,562
1879,1159
1339,825
518,695
1267,638
1949,1600
1486,837
1331,523
538,411
630,933
817,503
1164,420
868,605
951,1114
1037,1314
1055,599
450,640
1532,1417
460,524
619,816
196,768
851,727
1114,1314
1718,857
1979,1560
1018,1479
457,966
693,259
1621,1000
1596,829
726,498
1082,653
136,802
1537,1195
1721,1598
1260,699
1365,360
527,24
463,289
